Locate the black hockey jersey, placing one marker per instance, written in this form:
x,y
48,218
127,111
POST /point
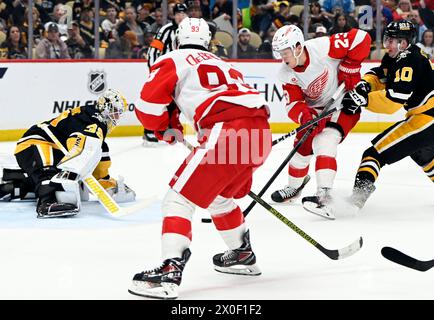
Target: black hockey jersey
x,y
408,81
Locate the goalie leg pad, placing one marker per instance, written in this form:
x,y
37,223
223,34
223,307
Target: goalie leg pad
x,y
67,188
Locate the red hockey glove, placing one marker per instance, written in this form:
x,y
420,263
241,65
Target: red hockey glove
x,y
308,114
349,72
174,132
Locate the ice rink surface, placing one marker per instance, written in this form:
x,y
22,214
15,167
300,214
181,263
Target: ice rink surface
x,y
94,256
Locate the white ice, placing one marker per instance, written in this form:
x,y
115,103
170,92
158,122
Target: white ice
x,y
94,256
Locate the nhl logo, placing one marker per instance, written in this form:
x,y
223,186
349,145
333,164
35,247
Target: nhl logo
x,y
97,81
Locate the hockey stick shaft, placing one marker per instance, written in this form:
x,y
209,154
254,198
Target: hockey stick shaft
x,y
332,254
89,180
297,146
326,112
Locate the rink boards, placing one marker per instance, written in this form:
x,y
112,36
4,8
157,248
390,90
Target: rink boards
x,y
35,91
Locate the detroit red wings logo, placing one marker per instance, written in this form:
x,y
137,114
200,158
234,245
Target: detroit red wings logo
x,y
316,87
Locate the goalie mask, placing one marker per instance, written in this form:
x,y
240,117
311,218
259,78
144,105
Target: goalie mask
x,y
112,104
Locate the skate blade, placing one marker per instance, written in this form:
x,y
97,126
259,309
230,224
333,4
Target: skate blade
x,y
167,291
321,211
287,202
252,270
58,215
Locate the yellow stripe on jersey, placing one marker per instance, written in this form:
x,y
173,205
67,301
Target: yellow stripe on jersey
x,y
375,83
370,170
420,109
429,166
379,103
411,126
33,142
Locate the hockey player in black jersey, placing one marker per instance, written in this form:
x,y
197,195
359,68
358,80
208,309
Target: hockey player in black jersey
x,y
52,177
405,79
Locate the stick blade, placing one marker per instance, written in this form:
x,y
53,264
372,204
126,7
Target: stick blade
x,y
401,258
350,249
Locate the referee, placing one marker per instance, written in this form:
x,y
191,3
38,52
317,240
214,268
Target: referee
x,y
163,42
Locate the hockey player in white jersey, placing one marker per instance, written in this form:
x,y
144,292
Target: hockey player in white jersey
x,y
231,120
311,72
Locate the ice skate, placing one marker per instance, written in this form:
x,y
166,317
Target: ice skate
x,y
289,194
162,282
319,204
239,261
361,192
53,209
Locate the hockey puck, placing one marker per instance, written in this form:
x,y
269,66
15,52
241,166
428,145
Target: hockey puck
x,y
206,220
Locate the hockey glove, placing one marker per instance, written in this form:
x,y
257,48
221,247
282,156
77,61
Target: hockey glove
x,y
357,98
174,133
308,114
349,72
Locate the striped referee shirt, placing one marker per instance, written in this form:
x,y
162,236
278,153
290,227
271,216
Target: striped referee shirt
x,y
163,42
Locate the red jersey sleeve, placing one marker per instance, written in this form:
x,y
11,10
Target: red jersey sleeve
x,y
156,95
353,45
294,101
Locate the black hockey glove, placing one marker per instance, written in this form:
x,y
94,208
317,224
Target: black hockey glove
x,y
357,98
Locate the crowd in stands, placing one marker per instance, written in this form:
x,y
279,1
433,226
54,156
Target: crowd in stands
x,y
65,29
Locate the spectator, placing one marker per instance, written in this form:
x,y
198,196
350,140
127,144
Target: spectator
x,y
333,7
282,14
427,43
204,7
427,12
265,50
318,16
263,13
87,26
194,11
222,7
133,44
79,6
77,47
110,24
320,31
404,8
60,18
417,21
245,49
119,5
144,15
391,4
13,47
158,16
130,23
52,47
340,25
38,28
215,46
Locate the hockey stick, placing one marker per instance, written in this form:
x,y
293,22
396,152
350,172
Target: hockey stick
x,y
326,112
296,147
332,254
95,187
405,260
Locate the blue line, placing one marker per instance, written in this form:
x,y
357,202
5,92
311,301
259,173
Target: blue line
x,y
2,72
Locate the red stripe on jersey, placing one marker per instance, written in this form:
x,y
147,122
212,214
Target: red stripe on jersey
x,y
229,221
151,122
325,162
177,225
296,172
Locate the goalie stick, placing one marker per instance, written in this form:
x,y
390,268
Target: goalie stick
x,y
97,190
405,260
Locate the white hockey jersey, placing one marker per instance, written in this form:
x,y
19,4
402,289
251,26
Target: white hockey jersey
x,y
316,82
196,81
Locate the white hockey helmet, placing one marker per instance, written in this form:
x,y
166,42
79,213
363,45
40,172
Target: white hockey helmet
x,y
287,37
193,31
112,105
